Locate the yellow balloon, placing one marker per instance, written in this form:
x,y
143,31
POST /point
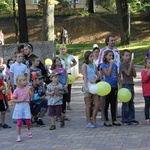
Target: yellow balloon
x,y
124,95
48,61
58,33
104,88
71,79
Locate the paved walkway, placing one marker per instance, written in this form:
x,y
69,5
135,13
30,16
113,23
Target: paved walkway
x,y
75,136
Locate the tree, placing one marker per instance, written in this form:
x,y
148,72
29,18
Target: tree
x,y
23,29
48,20
90,6
122,11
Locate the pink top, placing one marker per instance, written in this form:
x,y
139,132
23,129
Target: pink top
x,y
145,83
19,93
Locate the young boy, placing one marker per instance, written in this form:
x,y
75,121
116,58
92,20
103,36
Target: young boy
x,y
34,67
55,93
2,106
18,68
128,71
39,102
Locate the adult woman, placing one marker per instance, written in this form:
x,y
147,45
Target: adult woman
x,y
67,61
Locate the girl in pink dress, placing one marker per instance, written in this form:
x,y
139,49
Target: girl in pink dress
x,y
21,96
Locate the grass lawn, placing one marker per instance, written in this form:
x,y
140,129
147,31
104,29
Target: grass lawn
x,y
138,47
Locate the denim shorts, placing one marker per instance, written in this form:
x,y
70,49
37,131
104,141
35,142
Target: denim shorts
x,y
86,94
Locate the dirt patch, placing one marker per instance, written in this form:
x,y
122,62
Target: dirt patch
x,y
91,29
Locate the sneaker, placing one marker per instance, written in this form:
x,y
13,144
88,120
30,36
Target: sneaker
x,y
90,125
147,122
97,125
5,126
134,122
126,123
53,127
29,134
40,122
18,139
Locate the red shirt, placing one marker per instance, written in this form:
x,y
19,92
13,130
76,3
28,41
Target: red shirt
x,y
1,84
145,82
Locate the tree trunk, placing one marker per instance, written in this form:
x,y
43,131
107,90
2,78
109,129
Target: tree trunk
x,y
74,4
90,6
122,11
15,22
48,22
23,29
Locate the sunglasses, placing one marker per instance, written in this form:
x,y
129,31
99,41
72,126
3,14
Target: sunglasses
x,y
27,45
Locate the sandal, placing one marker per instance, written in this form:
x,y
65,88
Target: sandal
x,y
62,124
53,127
67,119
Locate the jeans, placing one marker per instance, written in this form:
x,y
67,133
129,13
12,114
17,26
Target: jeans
x,y
147,106
128,110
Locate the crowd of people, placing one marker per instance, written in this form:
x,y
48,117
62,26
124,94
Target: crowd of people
x,y
36,90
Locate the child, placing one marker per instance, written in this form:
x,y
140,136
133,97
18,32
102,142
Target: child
x,y
39,102
110,73
96,51
90,74
18,68
34,67
2,106
57,67
55,91
127,70
21,97
146,88
9,63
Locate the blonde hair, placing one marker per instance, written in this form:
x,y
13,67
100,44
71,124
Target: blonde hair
x,y
19,78
62,46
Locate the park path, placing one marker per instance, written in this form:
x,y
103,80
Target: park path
x,y
75,135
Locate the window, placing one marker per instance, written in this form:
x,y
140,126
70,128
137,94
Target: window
x,y
36,1
77,1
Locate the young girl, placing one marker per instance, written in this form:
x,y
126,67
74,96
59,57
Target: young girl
x,y
21,97
146,88
96,54
55,91
57,67
110,74
90,74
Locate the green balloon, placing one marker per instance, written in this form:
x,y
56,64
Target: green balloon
x,y
124,95
71,79
104,88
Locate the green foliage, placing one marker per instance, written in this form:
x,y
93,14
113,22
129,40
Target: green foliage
x,y
6,6
71,12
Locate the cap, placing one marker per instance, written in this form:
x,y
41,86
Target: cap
x,y
36,75
54,74
95,45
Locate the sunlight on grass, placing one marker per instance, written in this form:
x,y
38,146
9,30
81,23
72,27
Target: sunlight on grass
x,y
138,47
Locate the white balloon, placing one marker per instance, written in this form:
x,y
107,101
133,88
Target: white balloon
x,y
93,89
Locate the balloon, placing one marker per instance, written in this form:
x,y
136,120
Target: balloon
x,y
71,79
124,95
48,61
93,89
104,88
58,33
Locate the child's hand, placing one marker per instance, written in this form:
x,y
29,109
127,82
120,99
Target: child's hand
x,y
93,81
111,62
